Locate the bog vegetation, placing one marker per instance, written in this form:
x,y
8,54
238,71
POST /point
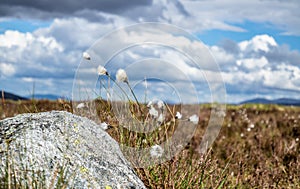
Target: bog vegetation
x,y
258,147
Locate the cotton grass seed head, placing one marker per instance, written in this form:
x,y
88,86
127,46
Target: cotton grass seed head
x,y
101,70
178,115
150,103
161,118
160,104
153,112
156,151
104,125
194,118
122,76
80,105
86,56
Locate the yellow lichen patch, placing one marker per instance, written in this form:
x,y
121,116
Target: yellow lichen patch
x,y
83,169
76,142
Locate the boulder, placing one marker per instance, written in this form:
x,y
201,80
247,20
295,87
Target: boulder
x,y
58,148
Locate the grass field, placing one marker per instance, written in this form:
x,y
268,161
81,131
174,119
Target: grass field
x,y
257,147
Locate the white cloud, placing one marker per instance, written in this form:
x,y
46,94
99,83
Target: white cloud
x,y
29,57
258,43
281,14
185,15
285,77
261,67
79,33
15,38
28,79
7,69
252,63
18,48
221,56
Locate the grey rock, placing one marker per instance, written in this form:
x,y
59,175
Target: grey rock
x,y
47,142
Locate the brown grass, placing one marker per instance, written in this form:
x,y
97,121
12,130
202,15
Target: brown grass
x,y
267,156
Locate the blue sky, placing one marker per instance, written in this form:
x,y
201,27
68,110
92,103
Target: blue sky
x,y
213,37
22,25
255,43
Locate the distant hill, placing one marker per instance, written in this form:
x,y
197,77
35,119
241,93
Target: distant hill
x,y
11,96
280,101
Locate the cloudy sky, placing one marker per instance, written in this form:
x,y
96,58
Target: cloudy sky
x,y
255,43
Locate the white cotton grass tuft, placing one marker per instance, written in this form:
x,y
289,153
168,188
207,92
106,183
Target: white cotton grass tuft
x,y
178,115
161,118
153,112
160,104
150,103
104,125
80,105
86,56
194,118
122,76
156,151
101,70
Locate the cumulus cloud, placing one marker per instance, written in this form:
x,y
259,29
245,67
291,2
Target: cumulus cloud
x,y
20,48
7,69
75,32
252,63
258,43
256,67
30,57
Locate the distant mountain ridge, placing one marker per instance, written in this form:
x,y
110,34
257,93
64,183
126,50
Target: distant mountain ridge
x,y
279,101
11,96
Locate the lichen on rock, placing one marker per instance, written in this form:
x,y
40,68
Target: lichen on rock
x,y
50,142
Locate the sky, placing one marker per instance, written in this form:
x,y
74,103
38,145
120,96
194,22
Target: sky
x,y
256,45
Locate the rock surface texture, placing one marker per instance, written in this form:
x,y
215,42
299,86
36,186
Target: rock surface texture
x,y
59,144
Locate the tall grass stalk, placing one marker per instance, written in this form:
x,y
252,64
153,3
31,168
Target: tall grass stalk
x,y
2,99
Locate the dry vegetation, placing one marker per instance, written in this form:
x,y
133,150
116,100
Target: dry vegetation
x,y
258,147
